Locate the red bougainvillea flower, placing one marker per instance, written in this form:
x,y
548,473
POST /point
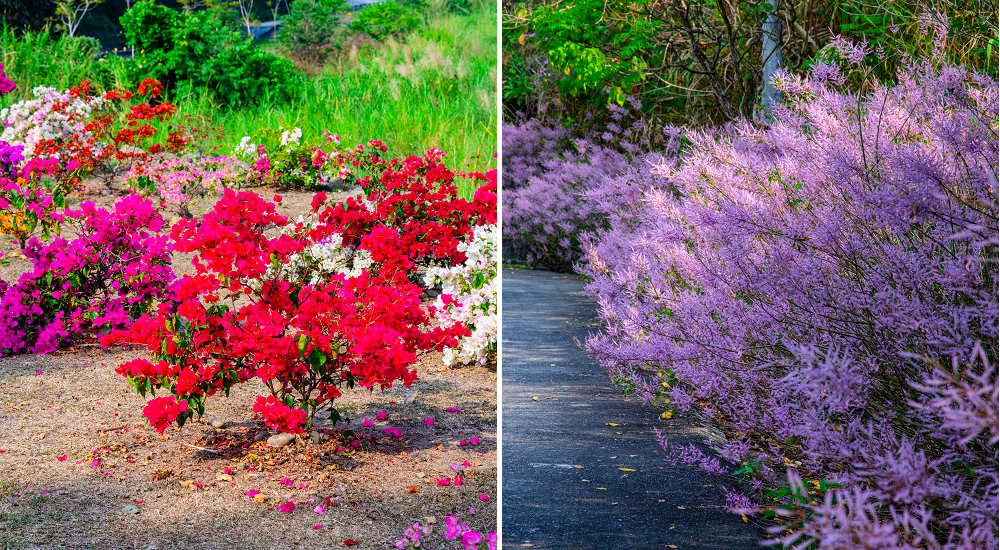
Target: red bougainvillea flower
x,y
287,507
163,411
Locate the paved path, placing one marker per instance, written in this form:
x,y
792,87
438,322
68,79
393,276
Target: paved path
x,y
549,500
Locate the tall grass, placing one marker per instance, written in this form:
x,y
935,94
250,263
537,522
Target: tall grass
x,y
433,88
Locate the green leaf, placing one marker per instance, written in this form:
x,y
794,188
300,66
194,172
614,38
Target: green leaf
x,y
303,339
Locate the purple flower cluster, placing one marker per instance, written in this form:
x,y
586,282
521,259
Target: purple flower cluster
x,y
828,283
11,156
113,272
6,85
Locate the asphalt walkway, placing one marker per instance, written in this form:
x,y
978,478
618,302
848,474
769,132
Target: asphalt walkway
x,y
571,480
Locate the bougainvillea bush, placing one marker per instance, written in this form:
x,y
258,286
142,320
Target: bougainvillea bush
x,y
826,290
113,272
469,295
304,336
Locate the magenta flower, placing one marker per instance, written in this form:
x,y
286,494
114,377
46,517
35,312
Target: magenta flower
x,y
367,423
428,422
287,507
382,415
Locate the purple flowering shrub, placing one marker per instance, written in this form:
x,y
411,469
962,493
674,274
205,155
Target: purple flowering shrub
x,y
545,175
825,290
113,272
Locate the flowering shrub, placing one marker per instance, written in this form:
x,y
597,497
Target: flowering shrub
x,y
177,181
303,341
826,289
312,326
51,115
280,158
416,536
469,296
113,272
418,201
545,176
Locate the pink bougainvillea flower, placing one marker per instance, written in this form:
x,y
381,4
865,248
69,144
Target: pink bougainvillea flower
x,y
227,471
453,410
484,498
355,443
394,431
287,507
318,509
317,526
467,464
285,481
350,542
341,450
428,422
61,458
474,440
444,482
472,511
382,415
458,480
95,463
463,442
252,493
277,198
38,373
367,423
302,485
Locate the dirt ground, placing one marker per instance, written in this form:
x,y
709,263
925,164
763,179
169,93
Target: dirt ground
x,y
81,468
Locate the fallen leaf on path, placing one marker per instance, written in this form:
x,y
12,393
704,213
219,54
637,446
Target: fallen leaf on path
x,y
534,399
577,466
612,424
626,469
412,489
667,415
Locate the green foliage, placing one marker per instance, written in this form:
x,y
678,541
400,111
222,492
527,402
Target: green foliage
x,y
189,52
380,21
700,62
42,59
311,31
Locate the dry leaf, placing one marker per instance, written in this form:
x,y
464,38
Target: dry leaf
x,y
626,469
223,477
412,489
259,497
667,415
612,424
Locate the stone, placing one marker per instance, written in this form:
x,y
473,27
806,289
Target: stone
x,y
421,474
129,509
280,440
410,398
317,437
216,423
262,436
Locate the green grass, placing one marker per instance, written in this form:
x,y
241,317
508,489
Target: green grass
x,y
434,88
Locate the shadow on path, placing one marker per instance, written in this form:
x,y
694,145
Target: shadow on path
x,y
569,479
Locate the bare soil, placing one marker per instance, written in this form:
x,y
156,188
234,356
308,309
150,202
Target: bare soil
x,y
81,468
